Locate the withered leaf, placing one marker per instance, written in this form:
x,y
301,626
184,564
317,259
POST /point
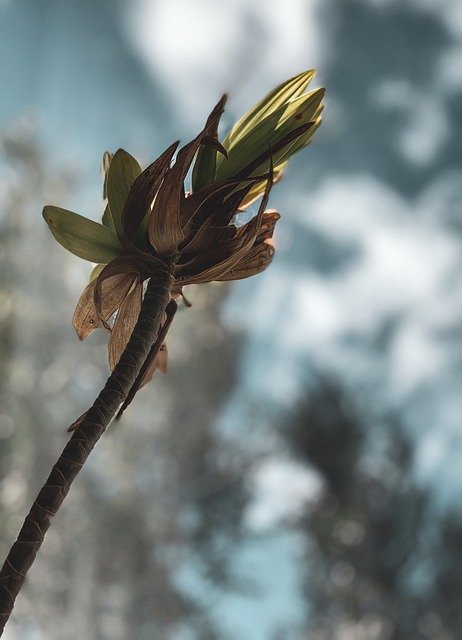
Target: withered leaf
x,y
124,324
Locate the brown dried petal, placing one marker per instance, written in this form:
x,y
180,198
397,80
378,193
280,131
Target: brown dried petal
x,y
256,261
142,193
165,228
160,363
199,205
208,235
268,223
206,265
266,229
113,290
128,268
86,318
124,324
210,265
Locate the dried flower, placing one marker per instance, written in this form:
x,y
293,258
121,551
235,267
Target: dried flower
x,y
150,220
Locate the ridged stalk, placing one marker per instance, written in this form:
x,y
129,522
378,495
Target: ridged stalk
x,y
84,438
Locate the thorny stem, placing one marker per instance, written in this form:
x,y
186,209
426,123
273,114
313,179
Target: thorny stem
x,y
22,553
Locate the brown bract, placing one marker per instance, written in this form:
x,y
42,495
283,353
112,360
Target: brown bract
x,y
194,235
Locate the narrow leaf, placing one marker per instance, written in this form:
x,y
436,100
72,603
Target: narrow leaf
x,y
204,167
107,219
107,159
122,172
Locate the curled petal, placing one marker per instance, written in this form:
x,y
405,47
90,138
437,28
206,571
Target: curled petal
x,y
207,265
268,223
256,261
124,324
206,161
211,142
261,254
266,228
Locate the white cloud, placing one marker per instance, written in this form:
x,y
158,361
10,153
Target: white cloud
x,y
448,11
201,48
425,128
450,69
406,268
282,489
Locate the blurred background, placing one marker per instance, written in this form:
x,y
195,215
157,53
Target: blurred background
x,y
298,473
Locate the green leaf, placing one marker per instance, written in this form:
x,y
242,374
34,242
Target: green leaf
x,y
258,189
105,164
282,157
303,141
268,132
204,168
107,219
96,271
81,236
206,161
278,97
122,172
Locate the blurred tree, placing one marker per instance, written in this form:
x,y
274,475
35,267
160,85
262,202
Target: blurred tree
x,y
379,565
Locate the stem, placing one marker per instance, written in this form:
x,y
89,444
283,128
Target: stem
x,y
22,553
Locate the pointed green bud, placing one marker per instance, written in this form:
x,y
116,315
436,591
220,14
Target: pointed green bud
x,y
268,133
